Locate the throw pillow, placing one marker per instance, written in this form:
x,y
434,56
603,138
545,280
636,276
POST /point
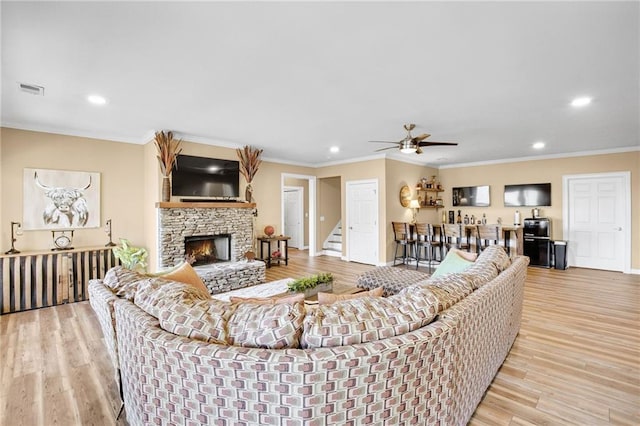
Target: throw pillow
x,y
271,326
295,298
329,298
201,319
155,293
186,274
122,281
468,255
368,319
452,262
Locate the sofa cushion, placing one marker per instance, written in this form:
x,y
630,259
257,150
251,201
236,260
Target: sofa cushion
x,y
452,263
154,293
122,281
390,278
272,326
197,319
329,298
368,319
497,255
450,288
294,298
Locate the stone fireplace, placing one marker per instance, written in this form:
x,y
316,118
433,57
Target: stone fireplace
x,y
178,223
185,227
206,249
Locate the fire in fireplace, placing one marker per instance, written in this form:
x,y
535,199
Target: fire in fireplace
x,y
206,249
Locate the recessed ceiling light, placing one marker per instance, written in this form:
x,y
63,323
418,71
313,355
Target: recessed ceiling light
x,y
581,101
334,149
538,145
96,99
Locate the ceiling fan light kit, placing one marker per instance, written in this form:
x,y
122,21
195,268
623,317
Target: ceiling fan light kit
x,y
410,144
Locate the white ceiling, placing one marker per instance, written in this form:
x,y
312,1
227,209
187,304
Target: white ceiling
x,y
298,78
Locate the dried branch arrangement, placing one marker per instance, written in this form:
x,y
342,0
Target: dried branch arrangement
x,y
249,161
168,150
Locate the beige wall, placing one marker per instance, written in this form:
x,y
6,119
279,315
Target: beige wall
x,y
399,174
122,183
329,207
540,171
304,184
131,186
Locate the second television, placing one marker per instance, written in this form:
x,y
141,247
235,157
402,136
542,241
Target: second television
x,y
527,195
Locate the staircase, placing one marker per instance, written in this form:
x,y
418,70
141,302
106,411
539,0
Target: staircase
x,y
332,246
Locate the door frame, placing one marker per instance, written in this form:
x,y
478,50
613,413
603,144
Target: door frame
x,y
626,191
300,192
312,207
377,215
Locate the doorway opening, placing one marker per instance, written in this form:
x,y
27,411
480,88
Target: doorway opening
x,y
308,214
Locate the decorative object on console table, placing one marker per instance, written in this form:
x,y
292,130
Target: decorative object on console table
x,y
249,163
61,240
15,232
168,150
133,258
107,229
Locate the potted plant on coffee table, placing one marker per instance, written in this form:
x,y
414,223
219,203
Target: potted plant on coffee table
x,y
313,284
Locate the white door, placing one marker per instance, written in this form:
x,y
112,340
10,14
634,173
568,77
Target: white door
x,y
293,215
596,221
362,221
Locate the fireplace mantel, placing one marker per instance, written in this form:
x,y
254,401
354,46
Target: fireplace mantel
x,y
205,205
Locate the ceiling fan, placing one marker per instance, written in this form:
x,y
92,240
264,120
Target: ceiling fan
x,y
411,144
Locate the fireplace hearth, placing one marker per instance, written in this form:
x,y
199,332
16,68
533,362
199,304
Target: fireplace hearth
x,y
207,249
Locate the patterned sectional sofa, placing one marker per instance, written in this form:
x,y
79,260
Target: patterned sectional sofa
x,y
423,356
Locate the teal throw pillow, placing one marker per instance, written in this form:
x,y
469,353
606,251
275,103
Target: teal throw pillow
x,y
452,263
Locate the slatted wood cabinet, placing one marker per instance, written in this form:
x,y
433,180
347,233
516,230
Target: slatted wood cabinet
x,y
38,279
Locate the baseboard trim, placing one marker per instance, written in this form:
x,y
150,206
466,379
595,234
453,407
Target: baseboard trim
x,y
331,253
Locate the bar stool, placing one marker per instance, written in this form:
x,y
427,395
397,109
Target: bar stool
x,y
452,234
404,239
427,242
487,235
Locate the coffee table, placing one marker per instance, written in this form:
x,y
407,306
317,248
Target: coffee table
x,y
279,288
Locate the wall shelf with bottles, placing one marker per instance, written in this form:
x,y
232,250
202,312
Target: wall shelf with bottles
x,y
429,198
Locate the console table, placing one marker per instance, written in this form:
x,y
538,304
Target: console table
x,y
38,279
281,243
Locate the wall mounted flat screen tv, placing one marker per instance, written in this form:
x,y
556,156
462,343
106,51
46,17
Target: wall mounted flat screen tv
x,y
527,195
471,196
205,177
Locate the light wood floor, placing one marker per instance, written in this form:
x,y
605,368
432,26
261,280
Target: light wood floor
x,y
576,360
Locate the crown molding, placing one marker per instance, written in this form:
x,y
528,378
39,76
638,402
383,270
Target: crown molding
x,y
543,157
80,133
350,160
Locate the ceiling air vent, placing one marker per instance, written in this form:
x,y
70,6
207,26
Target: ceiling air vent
x,y
32,89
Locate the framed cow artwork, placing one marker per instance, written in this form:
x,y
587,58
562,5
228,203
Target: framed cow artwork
x,y
60,199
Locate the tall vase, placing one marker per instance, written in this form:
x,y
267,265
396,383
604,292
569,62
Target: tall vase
x,y
248,193
166,189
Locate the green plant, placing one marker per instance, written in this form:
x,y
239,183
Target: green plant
x,y
134,258
306,283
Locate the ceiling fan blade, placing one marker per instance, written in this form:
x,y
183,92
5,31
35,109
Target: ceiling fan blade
x,y
384,149
436,143
384,142
421,137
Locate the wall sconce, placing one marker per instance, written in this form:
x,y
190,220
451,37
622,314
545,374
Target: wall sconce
x,y
16,229
107,229
415,206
